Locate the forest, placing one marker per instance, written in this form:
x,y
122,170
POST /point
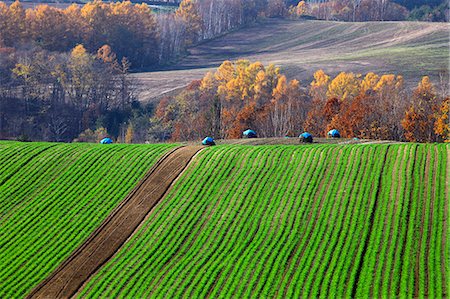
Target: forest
x,y
242,95
149,40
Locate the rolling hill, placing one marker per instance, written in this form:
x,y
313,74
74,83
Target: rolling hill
x,y
243,221
413,49
293,221
53,196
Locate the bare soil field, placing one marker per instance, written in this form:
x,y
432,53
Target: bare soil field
x,y
117,228
412,49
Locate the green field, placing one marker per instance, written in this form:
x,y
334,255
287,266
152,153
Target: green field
x,y
52,196
328,221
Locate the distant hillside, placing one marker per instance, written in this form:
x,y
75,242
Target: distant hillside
x,y
412,49
411,4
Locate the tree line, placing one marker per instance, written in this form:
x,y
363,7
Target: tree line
x,y
56,96
131,30
78,96
375,10
242,95
147,39
64,73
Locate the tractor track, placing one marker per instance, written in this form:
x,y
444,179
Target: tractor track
x,y
109,237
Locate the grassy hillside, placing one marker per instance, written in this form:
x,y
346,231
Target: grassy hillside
x,y
412,49
293,221
52,196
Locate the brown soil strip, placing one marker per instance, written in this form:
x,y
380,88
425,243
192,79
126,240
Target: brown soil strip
x,y
190,165
116,229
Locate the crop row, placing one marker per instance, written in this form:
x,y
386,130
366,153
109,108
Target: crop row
x,y
286,221
406,250
54,198
270,183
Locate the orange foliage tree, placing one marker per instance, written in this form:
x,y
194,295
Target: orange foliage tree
x,y
420,118
442,124
238,96
241,95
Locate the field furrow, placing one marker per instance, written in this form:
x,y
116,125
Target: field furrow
x,y
240,221
53,197
288,221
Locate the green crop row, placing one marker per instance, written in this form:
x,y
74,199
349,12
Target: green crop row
x,y
52,196
292,221
329,221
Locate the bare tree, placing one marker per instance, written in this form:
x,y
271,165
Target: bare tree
x,y
57,127
355,4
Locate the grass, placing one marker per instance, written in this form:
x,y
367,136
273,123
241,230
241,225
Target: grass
x,y
292,221
52,196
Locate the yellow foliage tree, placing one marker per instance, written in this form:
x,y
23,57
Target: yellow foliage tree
x,y
344,86
188,11
301,8
419,122
16,23
442,124
81,75
129,136
319,86
369,82
48,26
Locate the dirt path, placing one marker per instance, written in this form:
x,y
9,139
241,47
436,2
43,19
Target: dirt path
x,y
115,230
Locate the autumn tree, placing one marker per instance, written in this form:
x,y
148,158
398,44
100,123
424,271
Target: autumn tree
x,y
48,27
344,86
81,74
238,96
319,86
301,8
130,134
420,118
16,30
76,25
369,83
188,11
442,123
